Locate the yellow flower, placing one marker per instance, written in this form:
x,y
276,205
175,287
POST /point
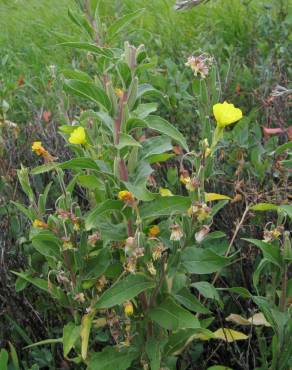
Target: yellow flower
x,y
153,231
40,224
38,148
78,136
226,114
165,192
119,92
126,196
185,179
128,308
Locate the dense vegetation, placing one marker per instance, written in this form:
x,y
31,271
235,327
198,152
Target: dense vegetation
x,y
145,223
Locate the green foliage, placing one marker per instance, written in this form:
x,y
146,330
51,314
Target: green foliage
x,y
125,239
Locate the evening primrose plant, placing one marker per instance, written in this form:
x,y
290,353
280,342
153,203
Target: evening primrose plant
x,y
129,263
127,259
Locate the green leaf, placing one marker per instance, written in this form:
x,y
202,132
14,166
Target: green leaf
x,y
140,192
270,252
74,74
152,350
91,182
160,158
143,110
207,290
155,145
25,183
78,163
112,359
46,243
44,342
30,213
20,284
219,367
159,124
14,357
287,209
89,91
121,23
282,148
187,299
105,52
124,290
166,206
264,207
171,316
71,333
203,261
3,359
127,140
92,218
42,284
97,265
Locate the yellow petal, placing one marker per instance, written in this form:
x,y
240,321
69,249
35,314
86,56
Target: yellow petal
x,y
229,335
165,192
226,114
210,197
78,136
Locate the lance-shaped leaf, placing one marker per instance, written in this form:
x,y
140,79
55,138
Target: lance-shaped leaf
x,y
105,52
166,206
172,316
161,125
203,261
112,359
89,91
124,290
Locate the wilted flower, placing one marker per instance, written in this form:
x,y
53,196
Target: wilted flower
x,y
201,234
129,245
185,179
226,114
165,192
138,252
200,211
128,308
190,183
206,148
130,265
151,268
119,93
40,224
154,231
41,151
270,235
67,244
100,284
79,297
78,136
92,239
199,64
126,196
176,232
157,251
38,148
